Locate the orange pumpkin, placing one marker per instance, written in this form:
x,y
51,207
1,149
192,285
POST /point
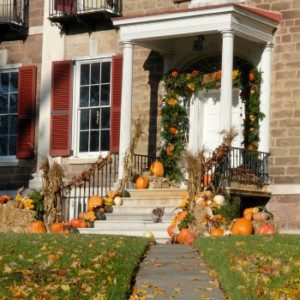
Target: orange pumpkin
x,y
267,229
141,183
58,227
157,169
77,223
171,230
37,227
94,202
242,227
207,179
190,238
182,236
216,232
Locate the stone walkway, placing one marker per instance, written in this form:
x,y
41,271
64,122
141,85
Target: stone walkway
x,y
175,272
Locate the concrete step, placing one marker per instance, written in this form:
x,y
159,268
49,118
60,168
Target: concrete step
x,y
155,201
131,226
135,217
141,209
157,193
160,236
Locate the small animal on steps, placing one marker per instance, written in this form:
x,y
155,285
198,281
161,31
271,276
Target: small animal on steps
x,y
158,214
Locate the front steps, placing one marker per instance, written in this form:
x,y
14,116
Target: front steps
x,y
134,216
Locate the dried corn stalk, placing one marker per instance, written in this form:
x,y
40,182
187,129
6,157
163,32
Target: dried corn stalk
x,y
138,133
53,176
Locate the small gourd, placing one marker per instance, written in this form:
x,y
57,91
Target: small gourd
x,y
118,201
219,200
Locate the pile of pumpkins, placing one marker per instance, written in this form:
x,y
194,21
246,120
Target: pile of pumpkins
x,y
241,226
244,225
58,227
156,168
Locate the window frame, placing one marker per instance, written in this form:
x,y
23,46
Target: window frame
x,y
76,102
11,159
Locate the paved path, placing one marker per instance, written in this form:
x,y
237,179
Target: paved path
x,y
175,272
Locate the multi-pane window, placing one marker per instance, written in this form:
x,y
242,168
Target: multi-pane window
x,y
94,106
8,112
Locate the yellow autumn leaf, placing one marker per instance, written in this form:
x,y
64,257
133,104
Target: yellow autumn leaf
x,y
7,269
65,287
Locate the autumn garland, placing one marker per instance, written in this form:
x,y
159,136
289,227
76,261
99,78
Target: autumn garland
x,y
181,86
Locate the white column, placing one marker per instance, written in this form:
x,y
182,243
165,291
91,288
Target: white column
x,y
196,124
226,81
265,96
125,124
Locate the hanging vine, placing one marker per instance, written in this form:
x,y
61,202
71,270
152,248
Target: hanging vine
x,y
179,87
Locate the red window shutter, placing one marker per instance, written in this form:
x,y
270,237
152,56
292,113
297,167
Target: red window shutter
x,y
61,104
26,112
117,67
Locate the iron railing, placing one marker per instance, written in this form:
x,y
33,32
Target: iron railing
x,y
14,12
60,8
76,198
242,167
103,179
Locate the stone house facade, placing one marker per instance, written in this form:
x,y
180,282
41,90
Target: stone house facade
x,y
97,45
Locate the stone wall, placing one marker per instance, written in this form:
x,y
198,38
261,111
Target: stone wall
x,y
27,53
285,110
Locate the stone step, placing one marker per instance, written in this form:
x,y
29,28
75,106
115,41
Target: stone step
x,y
135,217
157,193
155,201
131,225
160,236
141,209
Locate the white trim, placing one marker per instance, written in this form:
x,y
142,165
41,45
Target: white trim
x,y
91,58
10,67
33,30
285,189
8,161
82,160
246,24
76,95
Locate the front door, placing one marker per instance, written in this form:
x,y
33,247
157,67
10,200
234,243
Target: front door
x,y
205,119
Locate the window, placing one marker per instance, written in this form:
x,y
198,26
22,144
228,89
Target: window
x,y
93,107
8,112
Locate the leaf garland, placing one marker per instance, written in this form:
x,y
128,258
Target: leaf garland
x,y
179,87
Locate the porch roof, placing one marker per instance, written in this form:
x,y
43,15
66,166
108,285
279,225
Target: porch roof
x,y
251,23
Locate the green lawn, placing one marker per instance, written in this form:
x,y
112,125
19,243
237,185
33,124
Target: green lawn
x,y
255,267
68,266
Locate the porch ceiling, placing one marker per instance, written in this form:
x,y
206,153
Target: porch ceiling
x,y
151,30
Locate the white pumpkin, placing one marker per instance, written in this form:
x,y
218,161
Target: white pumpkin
x,y
209,202
227,232
219,200
118,201
149,235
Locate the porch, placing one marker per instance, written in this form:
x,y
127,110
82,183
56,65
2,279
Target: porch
x,y
229,33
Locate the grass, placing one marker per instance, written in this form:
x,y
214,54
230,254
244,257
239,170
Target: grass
x,y
68,266
255,267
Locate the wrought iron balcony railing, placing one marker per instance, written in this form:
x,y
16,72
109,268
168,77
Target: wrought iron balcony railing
x,y
240,168
14,12
64,8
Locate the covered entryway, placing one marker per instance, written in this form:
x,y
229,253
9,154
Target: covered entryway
x,y
226,30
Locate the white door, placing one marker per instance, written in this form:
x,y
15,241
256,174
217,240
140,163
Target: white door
x,y
208,129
